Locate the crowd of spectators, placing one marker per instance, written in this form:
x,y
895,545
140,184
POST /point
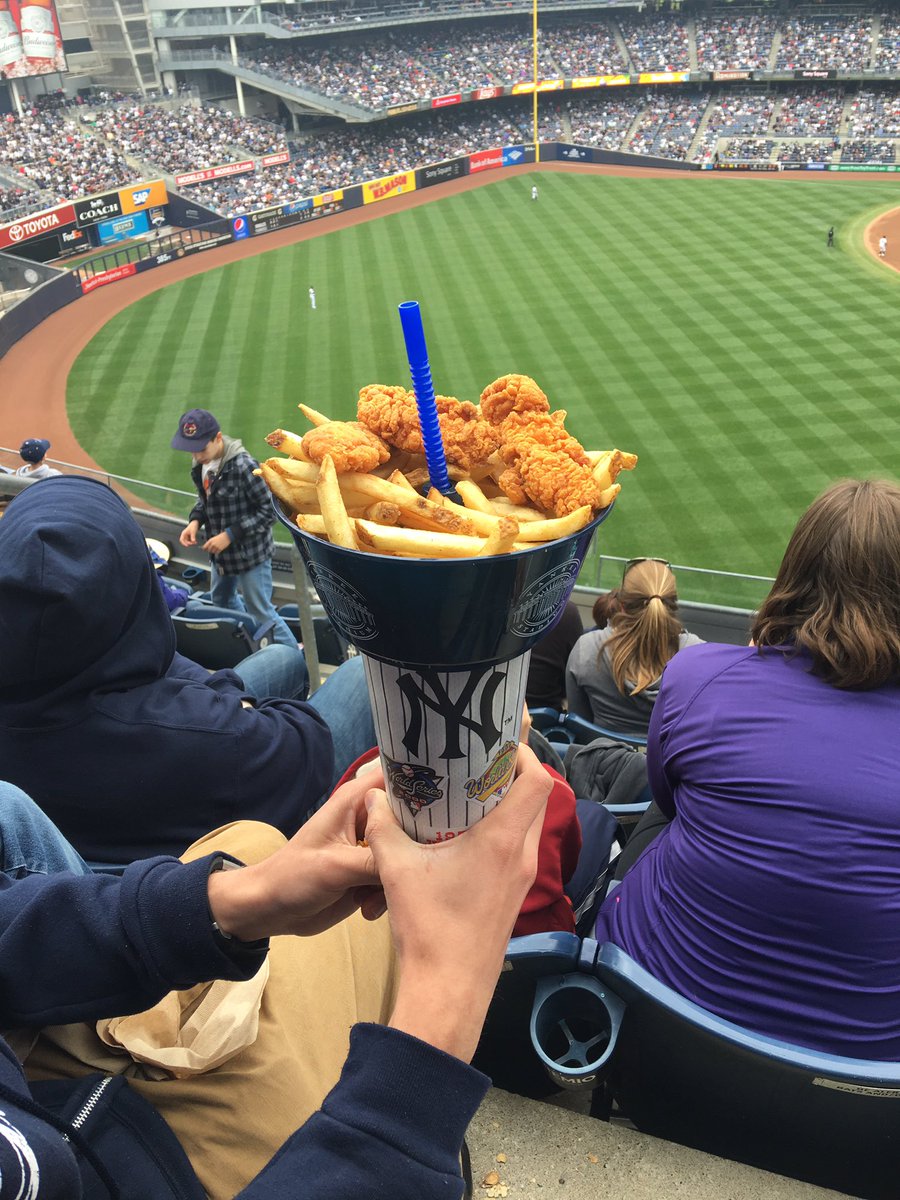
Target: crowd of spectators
x,y
810,113
739,42
60,157
583,48
602,122
874,115
657,43
868,152
669,123
187,137
738,113
790,151
747,150
838,43
887,51
341,157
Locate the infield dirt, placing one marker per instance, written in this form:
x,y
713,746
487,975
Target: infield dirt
x,y
37,367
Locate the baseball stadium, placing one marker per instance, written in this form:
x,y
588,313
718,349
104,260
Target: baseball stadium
x,y
515,316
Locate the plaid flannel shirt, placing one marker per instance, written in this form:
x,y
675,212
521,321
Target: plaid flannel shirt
x,y
240,502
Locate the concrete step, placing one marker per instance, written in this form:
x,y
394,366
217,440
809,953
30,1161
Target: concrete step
x,y
555,1153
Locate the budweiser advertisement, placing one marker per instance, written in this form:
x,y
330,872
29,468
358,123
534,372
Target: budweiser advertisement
x,y
30,39
36,225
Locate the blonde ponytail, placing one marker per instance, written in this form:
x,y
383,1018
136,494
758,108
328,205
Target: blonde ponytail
x,y
645,628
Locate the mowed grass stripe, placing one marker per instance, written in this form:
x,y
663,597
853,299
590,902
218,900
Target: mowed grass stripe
x,y
702,323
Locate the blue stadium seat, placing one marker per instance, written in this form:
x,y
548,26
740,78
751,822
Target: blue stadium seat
x,y
220,638
564,728
680,1073
332,648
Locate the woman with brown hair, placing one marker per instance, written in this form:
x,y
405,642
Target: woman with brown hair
x,y
772,897
613,673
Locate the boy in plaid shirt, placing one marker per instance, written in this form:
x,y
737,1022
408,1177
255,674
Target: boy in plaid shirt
x,y
235,511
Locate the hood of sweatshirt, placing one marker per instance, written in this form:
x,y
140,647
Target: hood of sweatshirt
x,y
81,609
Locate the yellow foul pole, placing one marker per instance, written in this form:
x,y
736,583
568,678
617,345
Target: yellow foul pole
x,y
534,41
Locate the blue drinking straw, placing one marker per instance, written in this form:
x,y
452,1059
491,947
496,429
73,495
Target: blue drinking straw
x,y
420,370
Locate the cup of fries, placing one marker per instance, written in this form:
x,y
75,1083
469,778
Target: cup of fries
x,y
443,601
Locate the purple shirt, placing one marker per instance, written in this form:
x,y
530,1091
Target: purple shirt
x,y
773,898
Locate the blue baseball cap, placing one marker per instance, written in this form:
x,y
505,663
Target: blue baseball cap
x,y
34,449
196,429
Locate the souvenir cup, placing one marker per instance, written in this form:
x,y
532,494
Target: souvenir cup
x,y
446,644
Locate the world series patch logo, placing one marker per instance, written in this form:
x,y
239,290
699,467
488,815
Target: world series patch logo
x,y
344,604
497,776
414,783
540,604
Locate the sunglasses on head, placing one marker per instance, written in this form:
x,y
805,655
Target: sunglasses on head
x,y
633,562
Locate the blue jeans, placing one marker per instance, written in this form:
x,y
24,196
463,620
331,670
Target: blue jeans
x,y
275,672
343,703
30,844
251,592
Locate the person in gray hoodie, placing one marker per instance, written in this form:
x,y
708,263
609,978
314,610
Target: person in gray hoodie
x,y
613,674
234,509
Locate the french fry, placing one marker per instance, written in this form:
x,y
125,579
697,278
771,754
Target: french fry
x,y
337,524
400,480
420,513
294,493
609,494
505,508
417,478
555,527
288,443
472,496
416,543
501,540
311,523
607,468
383,512
290,468
313,415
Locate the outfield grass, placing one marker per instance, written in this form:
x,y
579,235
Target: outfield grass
x,y
702,323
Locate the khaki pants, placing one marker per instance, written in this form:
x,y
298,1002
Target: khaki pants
x,y
233,1119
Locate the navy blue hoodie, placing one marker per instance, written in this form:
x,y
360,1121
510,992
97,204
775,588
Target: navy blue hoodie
x,y
76,948
131,749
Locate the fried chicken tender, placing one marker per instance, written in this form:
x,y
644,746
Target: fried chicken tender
x,y
512,393
391,413
550,479
520,430
351,446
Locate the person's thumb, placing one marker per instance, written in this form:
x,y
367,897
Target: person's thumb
x,y
383,832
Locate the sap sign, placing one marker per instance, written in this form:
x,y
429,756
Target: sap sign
x,y
240,227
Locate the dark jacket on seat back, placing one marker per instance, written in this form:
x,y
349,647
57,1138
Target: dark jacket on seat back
x,y
131,749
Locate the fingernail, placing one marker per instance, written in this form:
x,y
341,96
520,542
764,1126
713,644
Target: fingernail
x,y
370,801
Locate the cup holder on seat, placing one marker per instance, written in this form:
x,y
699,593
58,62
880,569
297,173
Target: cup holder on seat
x,y
575,1021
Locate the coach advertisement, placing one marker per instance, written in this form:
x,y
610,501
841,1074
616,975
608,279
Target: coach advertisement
x,y
441,172
389,185
97,208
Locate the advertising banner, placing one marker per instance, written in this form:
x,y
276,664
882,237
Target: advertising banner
x,y
544,85
745,166
30,39
208,244
485,160
395,110
664,77
864,167
726,76
440,172
73,241
97,208
220,172
486,93
514,155
815,74
240,228
274,160
803,166
390,185
119,229
446,101
105,277
592,81
334,197
35,225
144,195
297,212
573,153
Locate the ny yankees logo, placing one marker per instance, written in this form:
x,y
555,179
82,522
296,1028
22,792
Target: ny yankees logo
x,y
428,693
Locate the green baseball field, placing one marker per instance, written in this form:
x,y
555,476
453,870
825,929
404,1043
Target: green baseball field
x,y
702,323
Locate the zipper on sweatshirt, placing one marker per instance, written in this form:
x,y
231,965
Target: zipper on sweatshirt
x,y
90,1104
